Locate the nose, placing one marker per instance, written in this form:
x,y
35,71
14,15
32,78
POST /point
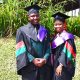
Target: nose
x,y
35,17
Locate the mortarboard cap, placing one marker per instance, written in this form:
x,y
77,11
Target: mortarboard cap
x,y
32,9
60,16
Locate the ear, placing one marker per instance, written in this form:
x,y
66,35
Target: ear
x,y
28,18
65,25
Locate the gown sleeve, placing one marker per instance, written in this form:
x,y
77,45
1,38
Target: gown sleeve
x,y
68,54
30,57
48,48
48,52
23,57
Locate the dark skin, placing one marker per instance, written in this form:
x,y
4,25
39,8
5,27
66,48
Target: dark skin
x,y
34,19
59,27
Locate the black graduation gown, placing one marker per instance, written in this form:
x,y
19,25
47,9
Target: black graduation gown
x,y
61,55
27,49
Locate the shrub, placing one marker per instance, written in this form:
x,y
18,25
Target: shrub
x,y
13,15
74,25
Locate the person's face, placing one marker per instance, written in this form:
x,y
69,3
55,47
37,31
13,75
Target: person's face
x,y
58,25
34,18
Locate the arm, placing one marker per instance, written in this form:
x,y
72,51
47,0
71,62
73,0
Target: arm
x,y
21,56
48,48
21,46
48,52
67,58
30,57
68,53
22,50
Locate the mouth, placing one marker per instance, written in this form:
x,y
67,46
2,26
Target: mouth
x,y
36,21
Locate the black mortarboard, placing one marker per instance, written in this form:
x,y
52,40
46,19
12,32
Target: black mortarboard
x,y
60,16
33,9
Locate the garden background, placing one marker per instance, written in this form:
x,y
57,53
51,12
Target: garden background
x,y
13,15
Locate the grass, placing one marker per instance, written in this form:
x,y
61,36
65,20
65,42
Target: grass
x,y
77,73
8,61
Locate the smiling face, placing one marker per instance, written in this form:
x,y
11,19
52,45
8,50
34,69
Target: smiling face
x,y
58,25
34,18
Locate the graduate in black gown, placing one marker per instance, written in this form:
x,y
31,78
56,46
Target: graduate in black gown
x,y
63,49
33,48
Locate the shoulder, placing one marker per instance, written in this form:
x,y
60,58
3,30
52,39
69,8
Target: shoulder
x,y
67,35
70,35
44,28
23,28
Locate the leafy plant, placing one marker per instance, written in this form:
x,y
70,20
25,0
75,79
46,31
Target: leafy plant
x,y
74,25
13,15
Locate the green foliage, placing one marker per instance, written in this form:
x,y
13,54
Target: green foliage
x,y
13,15
74,25
46,19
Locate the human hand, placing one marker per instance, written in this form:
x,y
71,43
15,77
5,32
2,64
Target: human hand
x,y
59,70
36,61
41,62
